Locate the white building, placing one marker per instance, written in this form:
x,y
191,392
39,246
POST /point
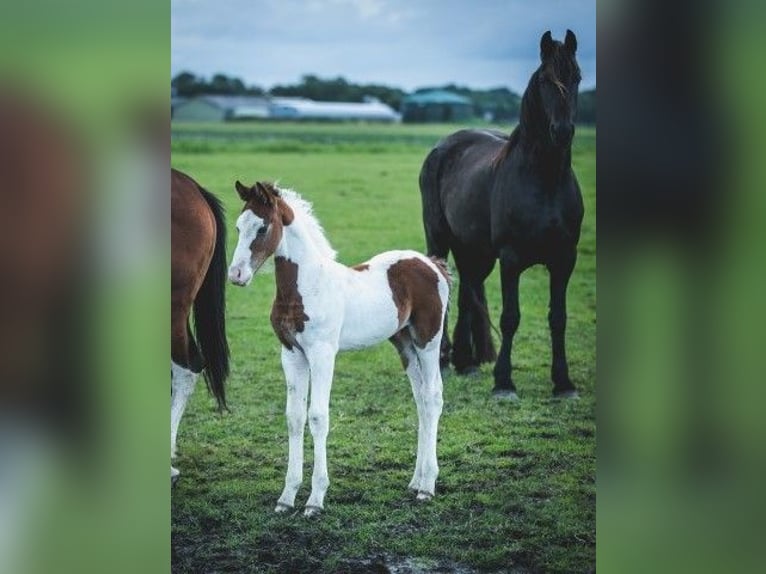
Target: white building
x,y
232,108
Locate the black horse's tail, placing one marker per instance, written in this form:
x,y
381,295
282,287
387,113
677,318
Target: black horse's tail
x,y
210,309
434,222
437,232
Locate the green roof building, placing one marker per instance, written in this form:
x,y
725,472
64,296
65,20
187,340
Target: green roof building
x,y
436,106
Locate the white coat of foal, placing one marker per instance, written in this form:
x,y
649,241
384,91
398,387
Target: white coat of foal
x,y
322,307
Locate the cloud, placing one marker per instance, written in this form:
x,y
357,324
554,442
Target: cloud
x,y
397,42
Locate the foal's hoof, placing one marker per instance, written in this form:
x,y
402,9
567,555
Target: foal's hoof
x,y
281,507
424,496
312,511
505,395
566,394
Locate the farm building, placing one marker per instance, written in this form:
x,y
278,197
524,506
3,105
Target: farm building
x,y
436,106
371,110
230,108
176,101
221,108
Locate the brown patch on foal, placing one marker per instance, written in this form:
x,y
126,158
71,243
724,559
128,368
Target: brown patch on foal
x,y
361,267
415,289
287,312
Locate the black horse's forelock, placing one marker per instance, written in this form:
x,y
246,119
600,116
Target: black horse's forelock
x,y
562,66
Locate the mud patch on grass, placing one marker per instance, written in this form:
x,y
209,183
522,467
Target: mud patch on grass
x,y
387,564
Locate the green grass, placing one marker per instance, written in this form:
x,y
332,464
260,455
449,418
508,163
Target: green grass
x,y
516,491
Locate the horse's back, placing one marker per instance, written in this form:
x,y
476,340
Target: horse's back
x,y
373,310
455,185
193,232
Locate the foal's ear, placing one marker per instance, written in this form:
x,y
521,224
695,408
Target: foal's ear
x,y
244,192
546,45
570,42
263,193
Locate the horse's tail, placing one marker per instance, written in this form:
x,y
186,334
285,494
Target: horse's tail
x,y
210,309
434,221
441,265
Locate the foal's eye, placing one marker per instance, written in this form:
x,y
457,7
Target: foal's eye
x,y
261,231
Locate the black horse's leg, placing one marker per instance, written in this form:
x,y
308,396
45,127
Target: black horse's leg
x,y
484,348
462,343
509,322
445,349
557,320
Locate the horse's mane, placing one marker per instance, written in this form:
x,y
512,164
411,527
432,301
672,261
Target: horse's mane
x,y
305,213
506,149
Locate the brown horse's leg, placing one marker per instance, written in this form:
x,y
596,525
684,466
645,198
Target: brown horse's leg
x,y
509,322
557,321
182,376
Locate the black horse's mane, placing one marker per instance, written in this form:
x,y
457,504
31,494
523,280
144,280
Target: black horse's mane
x,y
526,119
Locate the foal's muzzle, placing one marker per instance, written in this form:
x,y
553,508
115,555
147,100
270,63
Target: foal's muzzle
x,y
239,276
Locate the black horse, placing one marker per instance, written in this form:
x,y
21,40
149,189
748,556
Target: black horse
x,y
487,196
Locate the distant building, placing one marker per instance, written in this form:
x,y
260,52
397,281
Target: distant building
x,y
221,108
371,110
436,106
233,108
175,101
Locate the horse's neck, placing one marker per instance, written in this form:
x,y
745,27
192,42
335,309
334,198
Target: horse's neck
x,y
551,161
298,247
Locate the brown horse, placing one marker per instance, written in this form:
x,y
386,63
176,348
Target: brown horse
x,y
198,278
44,272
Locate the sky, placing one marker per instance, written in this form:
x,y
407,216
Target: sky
x,y
400,43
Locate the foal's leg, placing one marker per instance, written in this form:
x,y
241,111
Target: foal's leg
x,y
296,369
557,321
321,358
509,322
181,387
429,399
411,363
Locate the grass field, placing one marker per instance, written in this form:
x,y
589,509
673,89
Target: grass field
x,y
516,490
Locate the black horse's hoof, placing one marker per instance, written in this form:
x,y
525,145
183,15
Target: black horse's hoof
x,y
467,371
505,394
565,394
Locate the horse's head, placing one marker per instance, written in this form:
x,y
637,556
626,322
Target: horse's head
x,y
260,227
558,81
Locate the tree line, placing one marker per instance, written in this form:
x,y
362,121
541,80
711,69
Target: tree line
x,y
500,104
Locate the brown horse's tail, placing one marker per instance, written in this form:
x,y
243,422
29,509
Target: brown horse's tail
x,y
210,309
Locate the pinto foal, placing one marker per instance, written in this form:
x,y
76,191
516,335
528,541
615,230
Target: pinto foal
x,y
323,307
